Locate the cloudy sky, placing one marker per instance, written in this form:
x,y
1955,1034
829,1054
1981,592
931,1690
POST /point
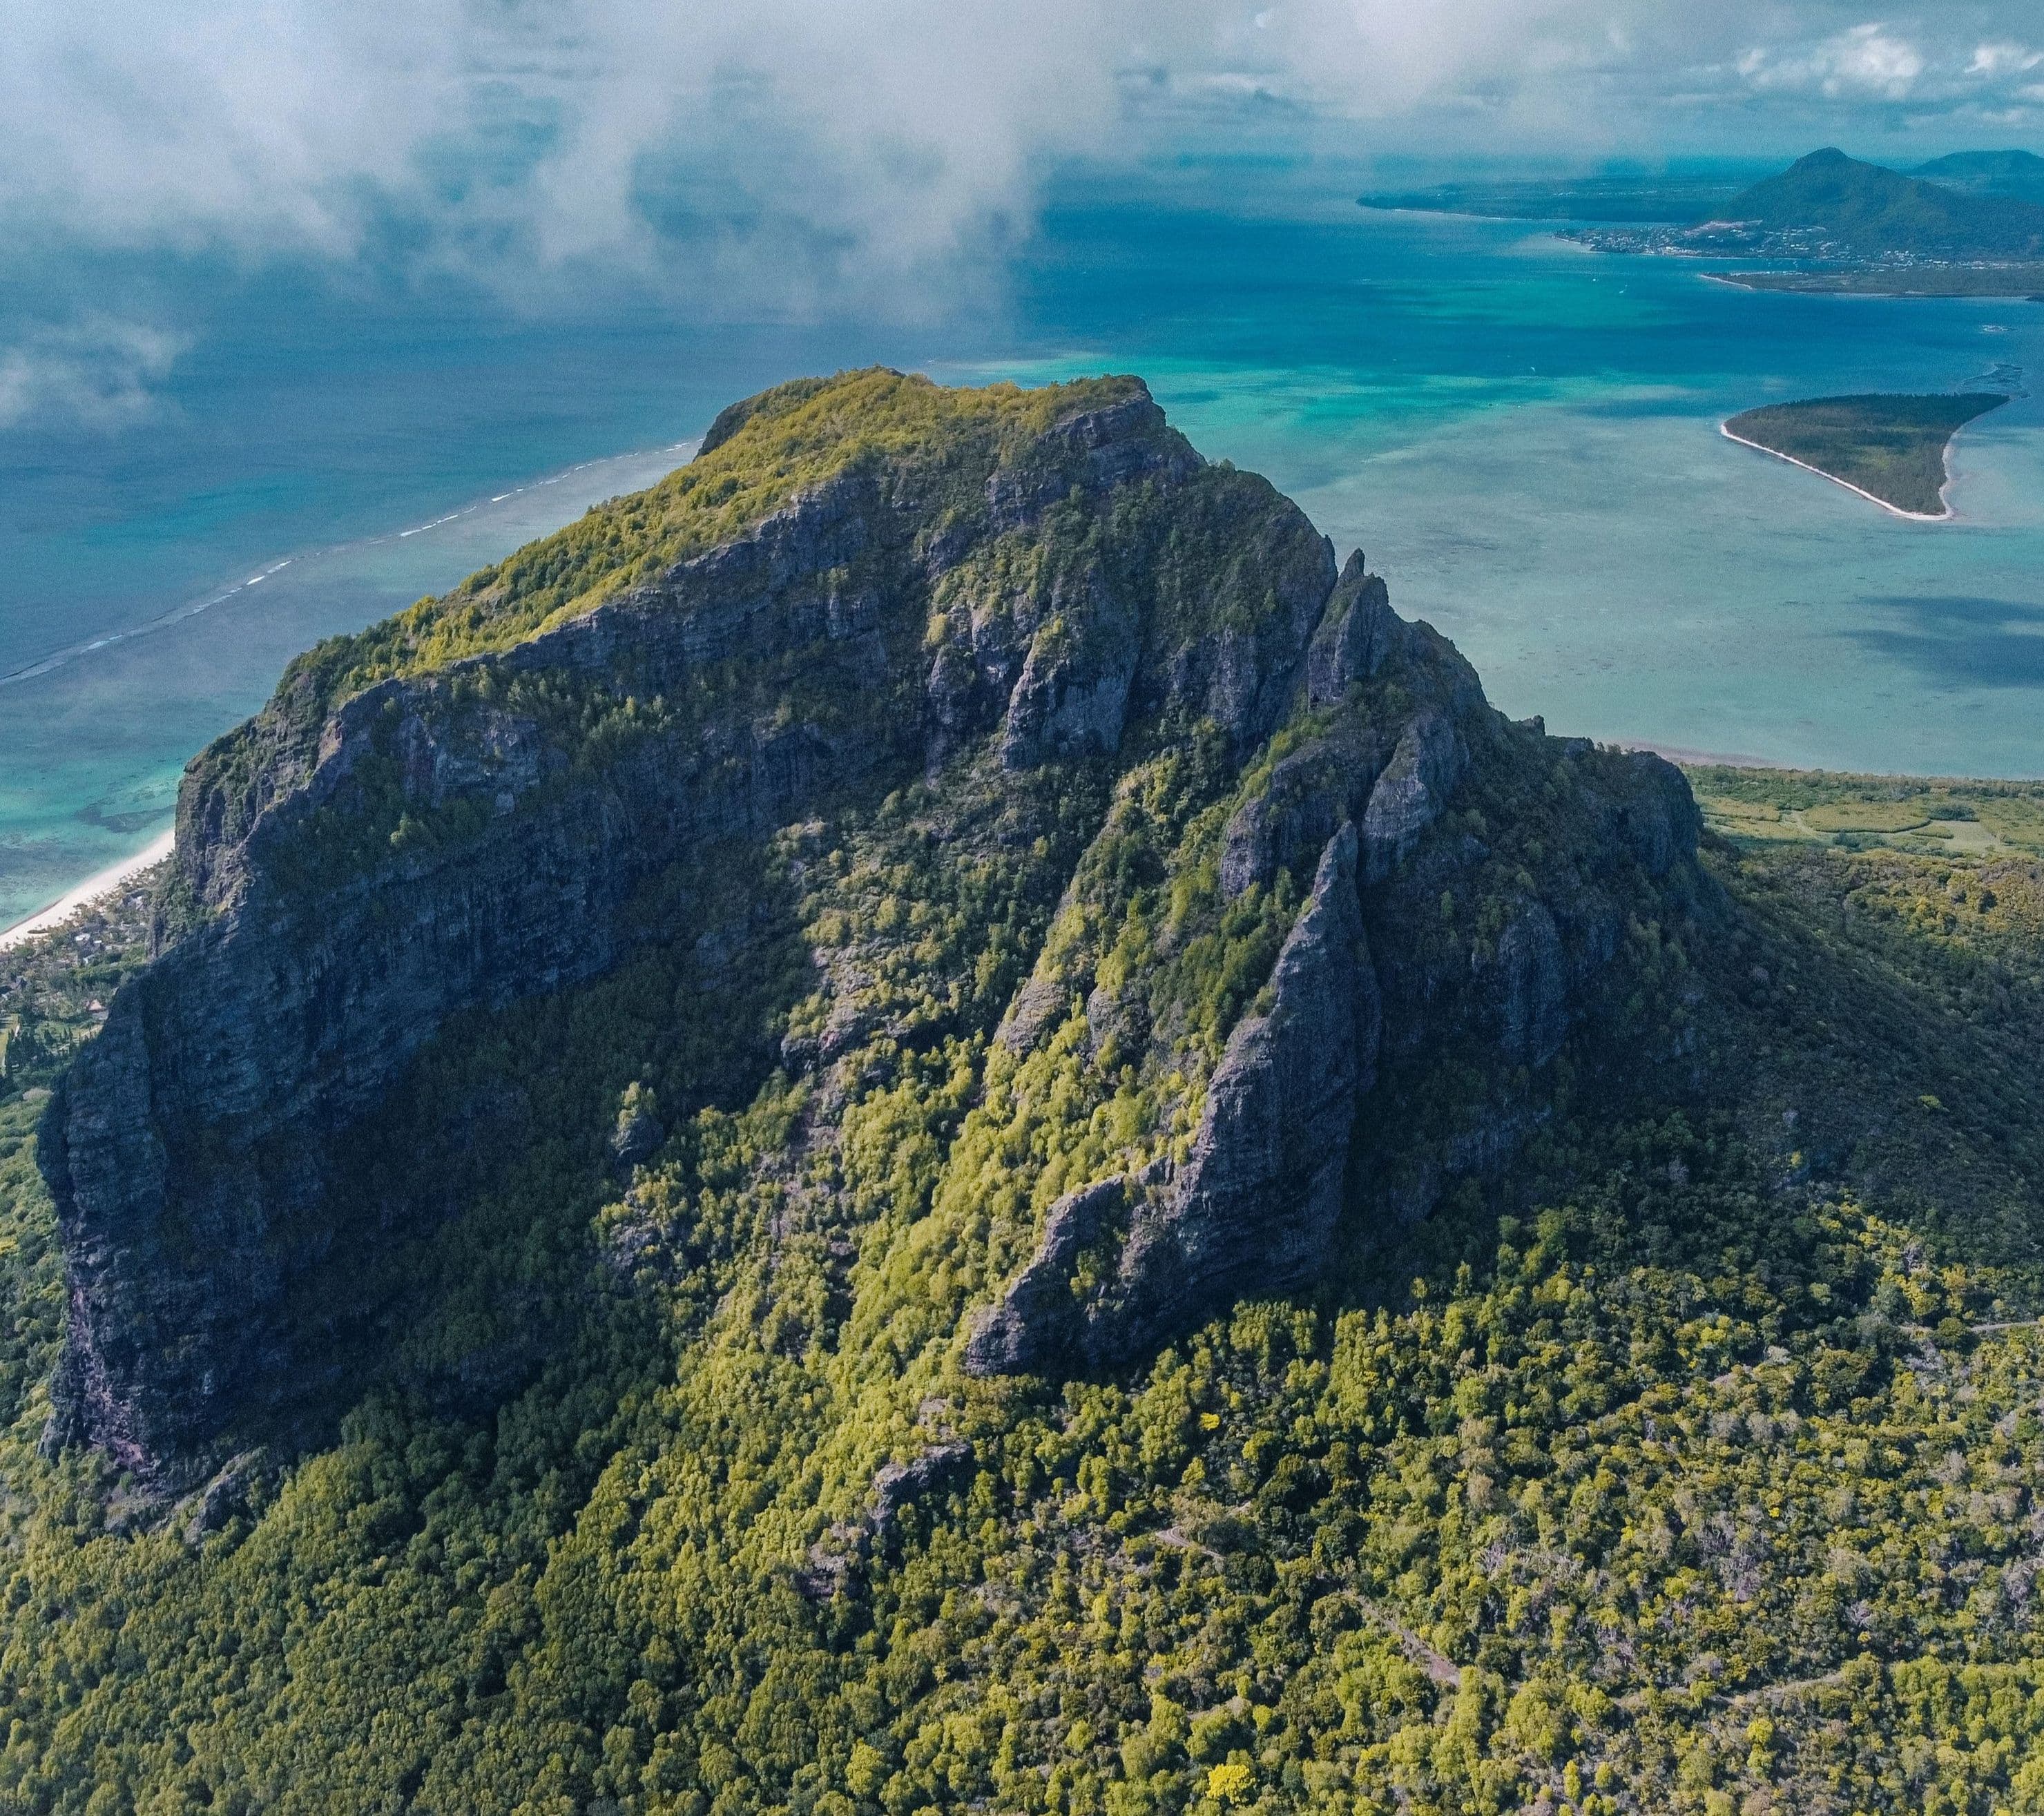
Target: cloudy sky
x,y
793,145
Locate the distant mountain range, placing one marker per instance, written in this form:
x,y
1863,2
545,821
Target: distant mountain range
x,y
1635,198
1864,211
1971,207
2019,174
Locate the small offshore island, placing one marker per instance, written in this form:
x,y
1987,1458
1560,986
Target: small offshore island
x,y
1890,449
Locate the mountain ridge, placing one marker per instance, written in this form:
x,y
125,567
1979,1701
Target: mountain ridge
x,y
622,1411
2013,173
457,836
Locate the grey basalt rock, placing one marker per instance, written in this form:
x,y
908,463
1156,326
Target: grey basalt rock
x,y
1037,1320
1072,695
1245,677
1391,759
190,1150
857,639
1412,792
638,1136
1660,821
1462,952
1529,977
1039,1005
1254,1208
1357,632
1098,449
1262,1189
1286,824
895,1485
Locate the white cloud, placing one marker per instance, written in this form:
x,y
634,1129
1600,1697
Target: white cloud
x,y
2004,58
1863,60
819,152
98,372
833,141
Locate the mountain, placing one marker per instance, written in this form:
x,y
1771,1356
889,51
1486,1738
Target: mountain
x,y
1863,211
2018,174
930,1119
856,590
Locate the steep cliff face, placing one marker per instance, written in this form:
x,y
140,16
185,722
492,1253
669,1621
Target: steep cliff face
x,y
1256,1203
1427,972
509,792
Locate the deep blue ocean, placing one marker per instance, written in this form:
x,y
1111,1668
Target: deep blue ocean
x,y
1523,436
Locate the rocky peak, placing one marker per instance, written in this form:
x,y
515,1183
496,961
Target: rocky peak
x,y
510,792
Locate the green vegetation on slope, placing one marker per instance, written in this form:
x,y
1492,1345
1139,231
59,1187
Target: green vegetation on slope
x,y
793,439
1891,447
1694,1467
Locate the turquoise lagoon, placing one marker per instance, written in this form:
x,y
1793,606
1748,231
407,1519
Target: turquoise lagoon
x,y
1522,434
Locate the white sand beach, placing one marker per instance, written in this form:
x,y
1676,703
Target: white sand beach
x,y
105,883
1944,517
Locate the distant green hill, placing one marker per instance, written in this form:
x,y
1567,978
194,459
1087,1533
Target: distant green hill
x,y
2018,174
1867,212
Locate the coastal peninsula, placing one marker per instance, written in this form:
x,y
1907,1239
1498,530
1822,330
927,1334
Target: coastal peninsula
x,y
1890,449
1965,226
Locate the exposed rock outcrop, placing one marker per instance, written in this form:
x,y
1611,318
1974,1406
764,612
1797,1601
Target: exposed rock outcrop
x,y
1255,1207
640,1132
1413,791
1264,1185
1455,953
1037,1320
1051,580
1357,633
350,874
1072,692
896,1484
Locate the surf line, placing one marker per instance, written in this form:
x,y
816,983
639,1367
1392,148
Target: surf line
x,y
437,521
57,658
1944,517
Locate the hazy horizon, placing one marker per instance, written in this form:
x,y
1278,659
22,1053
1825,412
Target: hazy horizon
x,y
803,161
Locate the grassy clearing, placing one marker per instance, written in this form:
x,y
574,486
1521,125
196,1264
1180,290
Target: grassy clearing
x,y
1929,816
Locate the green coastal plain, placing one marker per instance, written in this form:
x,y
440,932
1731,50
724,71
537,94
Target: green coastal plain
x,y
1921,817
1891,447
